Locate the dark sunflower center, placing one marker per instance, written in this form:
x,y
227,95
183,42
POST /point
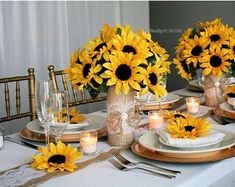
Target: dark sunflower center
x,y
215,61
129,49
234,49
153,78
78,61
215,37
58,159
189,128
123,72
98,47
196,51
231,95
86,70
184,65
179,116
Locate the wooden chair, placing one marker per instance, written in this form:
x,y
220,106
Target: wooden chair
x,y
5,84
75,97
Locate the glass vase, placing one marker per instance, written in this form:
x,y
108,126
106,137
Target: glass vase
x,y
120,113
214,90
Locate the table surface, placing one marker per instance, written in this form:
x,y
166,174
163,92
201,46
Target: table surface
x,y
220,173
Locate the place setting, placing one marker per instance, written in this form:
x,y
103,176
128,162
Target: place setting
x,y
163,143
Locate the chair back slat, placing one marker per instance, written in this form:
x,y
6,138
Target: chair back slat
x,y
7,99
17,80
18,97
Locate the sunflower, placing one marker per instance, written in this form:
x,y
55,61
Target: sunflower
x,y
75,117
217,34
84,70
183,68
123,72
56,157
188,128
214,22
173,115
131,43
154,80
194,49
98,49
215,61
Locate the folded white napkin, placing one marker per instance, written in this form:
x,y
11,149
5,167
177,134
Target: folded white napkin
x,y
212,137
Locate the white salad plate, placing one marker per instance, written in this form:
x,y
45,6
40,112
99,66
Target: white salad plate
x,y
93,122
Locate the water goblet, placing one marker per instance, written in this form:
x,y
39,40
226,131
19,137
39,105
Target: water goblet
x,y
60,111
163,84
43,90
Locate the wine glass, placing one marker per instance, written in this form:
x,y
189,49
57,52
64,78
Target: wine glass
x,y
163,84
43,90
60,114
140,101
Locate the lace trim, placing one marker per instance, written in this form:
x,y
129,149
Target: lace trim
x,y
25,173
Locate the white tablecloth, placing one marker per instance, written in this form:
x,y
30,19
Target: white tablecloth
x,y
102,174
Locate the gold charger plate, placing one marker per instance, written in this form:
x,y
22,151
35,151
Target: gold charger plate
x,y
223,113
154,155
33,136
172,105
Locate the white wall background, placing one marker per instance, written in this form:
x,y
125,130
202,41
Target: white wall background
x,y
36,34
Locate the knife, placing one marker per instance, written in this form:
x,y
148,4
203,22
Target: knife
x,y
21,142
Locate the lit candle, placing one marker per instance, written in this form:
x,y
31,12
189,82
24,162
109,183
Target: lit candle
x,y
155,120
88,141
192,104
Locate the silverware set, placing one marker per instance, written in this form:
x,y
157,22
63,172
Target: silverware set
x,y
123,164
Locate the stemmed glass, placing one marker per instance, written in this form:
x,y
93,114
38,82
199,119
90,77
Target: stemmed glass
x,y
43,90
163,84
140,101
60,114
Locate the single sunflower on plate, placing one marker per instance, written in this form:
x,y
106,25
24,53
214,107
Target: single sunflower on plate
x,y
56,157
194,49
75,116
83,71
154,80
173,115
215,61
131,43
124,72
188,128
183,68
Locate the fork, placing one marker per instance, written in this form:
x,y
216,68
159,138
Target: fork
x,y
123,167
129,163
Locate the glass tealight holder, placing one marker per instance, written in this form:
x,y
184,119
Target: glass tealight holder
x,y
192,104
155,119
1,137
88,141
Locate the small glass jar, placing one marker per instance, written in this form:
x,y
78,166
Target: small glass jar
x,y
88,141
155,119
1,137
192,104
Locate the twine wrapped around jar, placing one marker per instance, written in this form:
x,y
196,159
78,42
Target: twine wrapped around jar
x,y
120,117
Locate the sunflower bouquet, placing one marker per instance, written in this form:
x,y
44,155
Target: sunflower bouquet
x,y
122,58
209,46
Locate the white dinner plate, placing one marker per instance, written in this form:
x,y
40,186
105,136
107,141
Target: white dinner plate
x,y
75,125
170,98
188,146
151,141
226,107
94,123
